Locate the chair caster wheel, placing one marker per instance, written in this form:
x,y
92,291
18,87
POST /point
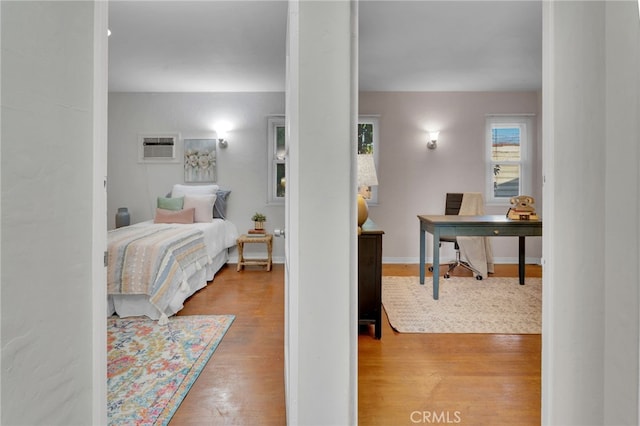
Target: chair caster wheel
x,y
446,276
430,268
479,277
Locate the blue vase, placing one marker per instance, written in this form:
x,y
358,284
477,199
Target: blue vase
x,y
122,217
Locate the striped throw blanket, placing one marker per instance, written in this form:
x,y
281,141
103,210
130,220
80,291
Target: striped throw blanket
x,y
154,261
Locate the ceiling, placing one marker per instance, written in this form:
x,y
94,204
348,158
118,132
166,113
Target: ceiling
x,y
239,46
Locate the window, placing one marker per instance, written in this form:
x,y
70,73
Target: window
x,y
368,142
508,157
277,155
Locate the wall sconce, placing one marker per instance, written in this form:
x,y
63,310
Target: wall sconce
x,y
221,132
433,140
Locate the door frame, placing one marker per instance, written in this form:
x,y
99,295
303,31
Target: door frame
x,y
99,227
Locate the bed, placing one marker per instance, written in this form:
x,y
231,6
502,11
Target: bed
x,y
154,267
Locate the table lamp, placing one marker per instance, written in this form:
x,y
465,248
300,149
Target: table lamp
x,y
366,179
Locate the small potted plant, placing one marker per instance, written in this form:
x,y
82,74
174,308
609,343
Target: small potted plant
x,y
259,219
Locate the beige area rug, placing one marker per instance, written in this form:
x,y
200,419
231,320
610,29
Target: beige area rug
x,y
494,305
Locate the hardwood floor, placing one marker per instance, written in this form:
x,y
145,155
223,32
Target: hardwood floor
x,y
469,379
243,382
403,378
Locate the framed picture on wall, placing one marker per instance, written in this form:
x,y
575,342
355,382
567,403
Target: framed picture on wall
x,y
199,160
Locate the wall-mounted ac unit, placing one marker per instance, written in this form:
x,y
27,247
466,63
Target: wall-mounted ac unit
x,y
157,148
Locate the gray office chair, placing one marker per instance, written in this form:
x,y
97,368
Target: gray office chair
x,y
452,207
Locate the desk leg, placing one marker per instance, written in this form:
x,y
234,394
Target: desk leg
x,y
521,259
436,262
422,254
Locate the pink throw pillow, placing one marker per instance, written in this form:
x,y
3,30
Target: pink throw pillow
x,y
174,216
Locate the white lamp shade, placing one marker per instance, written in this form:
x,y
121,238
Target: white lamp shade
x,y
433,136
367,170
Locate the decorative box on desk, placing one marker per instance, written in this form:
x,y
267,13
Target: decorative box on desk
x,y
370,276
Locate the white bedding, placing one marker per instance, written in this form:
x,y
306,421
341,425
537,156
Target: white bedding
x,y
219,236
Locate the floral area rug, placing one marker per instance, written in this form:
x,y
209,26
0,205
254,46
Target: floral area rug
x,y
151,367
494,305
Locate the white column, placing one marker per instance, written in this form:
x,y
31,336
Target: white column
x,y
622,201
321,368
590,242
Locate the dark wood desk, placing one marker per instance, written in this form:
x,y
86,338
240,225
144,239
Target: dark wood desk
x,y
477,226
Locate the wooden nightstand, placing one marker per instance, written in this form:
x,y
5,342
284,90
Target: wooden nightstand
x,y
263,239
370,276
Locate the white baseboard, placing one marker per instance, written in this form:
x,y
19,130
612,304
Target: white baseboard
x,y
414,260
233,258
496,260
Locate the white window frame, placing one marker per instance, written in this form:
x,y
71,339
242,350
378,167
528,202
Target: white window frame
x,y
272,124
525,123
375,121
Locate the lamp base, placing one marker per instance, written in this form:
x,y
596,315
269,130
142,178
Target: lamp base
x,y
363,211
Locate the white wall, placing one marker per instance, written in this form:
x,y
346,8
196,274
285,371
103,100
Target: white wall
x,y
414,180
46,209
242,167
591,162
410,176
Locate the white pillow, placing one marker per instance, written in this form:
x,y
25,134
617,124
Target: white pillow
x,y
180,190
203,205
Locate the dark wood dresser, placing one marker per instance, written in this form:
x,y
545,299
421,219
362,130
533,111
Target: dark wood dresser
x,y
370,276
